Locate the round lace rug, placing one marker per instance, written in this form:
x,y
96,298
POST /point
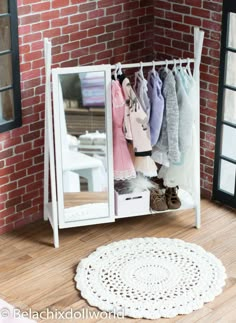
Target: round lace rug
x,y
150,277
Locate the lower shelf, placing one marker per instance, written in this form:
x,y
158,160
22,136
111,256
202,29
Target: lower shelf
x,y
186,199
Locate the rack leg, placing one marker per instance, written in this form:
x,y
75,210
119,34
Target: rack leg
x,y
198,217
56,238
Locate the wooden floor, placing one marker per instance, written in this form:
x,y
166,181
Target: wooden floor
x,y
34,275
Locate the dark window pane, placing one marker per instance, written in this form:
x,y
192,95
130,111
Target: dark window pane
x,y
231,30
6,106
5,70
5,36
3,6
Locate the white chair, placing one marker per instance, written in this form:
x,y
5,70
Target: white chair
x,y
75,164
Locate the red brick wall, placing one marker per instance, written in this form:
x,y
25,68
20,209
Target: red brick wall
x,y
82,32
174,22
88,32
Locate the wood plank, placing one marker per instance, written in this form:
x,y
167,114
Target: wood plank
x,y
35,275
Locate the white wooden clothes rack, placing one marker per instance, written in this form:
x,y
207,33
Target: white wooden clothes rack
x,y
51,207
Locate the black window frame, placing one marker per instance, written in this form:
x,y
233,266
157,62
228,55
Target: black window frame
x,y
14,51
218,194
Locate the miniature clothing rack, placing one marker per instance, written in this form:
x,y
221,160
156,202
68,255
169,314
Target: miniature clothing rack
x,y
52,208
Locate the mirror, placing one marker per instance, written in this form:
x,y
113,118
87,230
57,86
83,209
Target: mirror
x,y
84,160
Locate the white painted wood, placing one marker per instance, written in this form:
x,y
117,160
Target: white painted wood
x,y
155,63
85,170
51,208
46,143
54,215
198,44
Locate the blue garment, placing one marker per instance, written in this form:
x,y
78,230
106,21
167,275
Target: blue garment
x,y
157,105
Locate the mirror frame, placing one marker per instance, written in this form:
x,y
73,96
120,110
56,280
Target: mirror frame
x,y
57,107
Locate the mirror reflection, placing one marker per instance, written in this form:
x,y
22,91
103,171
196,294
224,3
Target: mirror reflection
x,y
84,144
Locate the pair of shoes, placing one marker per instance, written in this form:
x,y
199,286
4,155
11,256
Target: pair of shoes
x,y
158,200
158,181
162,201
172,199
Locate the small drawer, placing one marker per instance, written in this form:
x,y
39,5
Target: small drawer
x,y
132,203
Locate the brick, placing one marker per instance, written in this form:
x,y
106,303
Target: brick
x,y
121,50
162,4
210,5
69,11
145,19
194,3
163,23
79,52
23,206
88,24
114,43
162,40
23,10
117,9
88,42
208,24
70,46
210,78
26,180
39,7
113,27
129,23
192,21
78,35
78,18
96,31
87,6
64,21
13,201
8,187
181,27
29,19
174,16
181,9
87,59
31,136
40,26
97,48
96,13
146,3
6,153
104,54
180,45
216,16
105,20
52,32
107,36
200,13
6,228
60,57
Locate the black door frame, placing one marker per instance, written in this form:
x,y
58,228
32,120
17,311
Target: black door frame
x,y
219,195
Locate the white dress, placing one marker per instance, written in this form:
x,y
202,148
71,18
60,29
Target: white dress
x,y
181,173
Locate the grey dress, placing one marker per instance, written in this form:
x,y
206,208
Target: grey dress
x,y
169,137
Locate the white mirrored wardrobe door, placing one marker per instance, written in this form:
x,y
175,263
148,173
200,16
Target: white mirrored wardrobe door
x,y
83,144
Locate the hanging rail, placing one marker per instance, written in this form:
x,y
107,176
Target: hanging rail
x,y
155,63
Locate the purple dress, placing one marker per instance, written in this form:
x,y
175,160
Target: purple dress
x,y
157,105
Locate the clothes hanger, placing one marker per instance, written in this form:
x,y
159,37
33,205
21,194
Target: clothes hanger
x,y
119,71
115,71
166,67
174,67
154,72
139,75
188,68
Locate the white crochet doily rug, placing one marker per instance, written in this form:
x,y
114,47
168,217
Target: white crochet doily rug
x,y
150,277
